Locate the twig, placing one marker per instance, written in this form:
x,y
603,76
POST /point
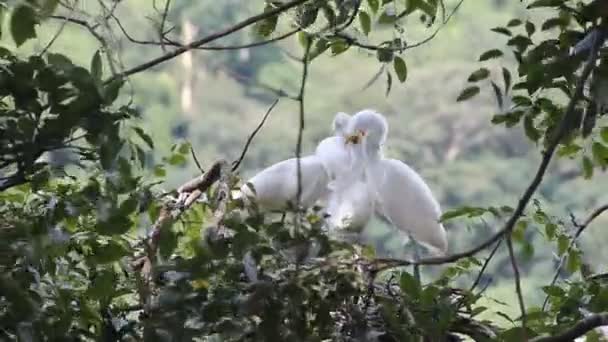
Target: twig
x,y
167,41
355,42
485,265
161,29
520,297
579,329
597,212
386,263
305,62
54,38
212,37
198,164
237,163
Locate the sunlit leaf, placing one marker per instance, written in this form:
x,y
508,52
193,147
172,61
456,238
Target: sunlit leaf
x,y
400,68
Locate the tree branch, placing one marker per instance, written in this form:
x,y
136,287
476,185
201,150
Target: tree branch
x,y
170,55
579,329
385,263
305,62
520,297
597,212
237,163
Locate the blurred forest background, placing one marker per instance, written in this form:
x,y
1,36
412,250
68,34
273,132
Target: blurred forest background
x,y
214,99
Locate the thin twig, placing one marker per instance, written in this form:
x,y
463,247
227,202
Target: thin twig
x,y
305,62
161,29
520,297
597,212
237,163
167,41
212,37
54,38
198,164
353,41
579,329
485,265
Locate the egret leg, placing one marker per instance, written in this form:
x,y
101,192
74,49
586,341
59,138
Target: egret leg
x,y
416,257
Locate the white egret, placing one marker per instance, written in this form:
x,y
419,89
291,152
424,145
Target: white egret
x,y
323,174
401,196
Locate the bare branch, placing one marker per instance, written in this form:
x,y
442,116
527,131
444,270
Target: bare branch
x,y
353,41
161,29
485,265
166,41
597,212
305,62
198,164
237,163
579,329
520,297
212,37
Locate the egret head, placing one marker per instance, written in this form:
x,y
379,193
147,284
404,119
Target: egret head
x,y
368,128
340,123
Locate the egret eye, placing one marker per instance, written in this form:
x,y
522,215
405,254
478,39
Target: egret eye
x,y
353,139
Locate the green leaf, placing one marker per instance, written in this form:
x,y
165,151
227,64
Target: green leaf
x,y
304,39
96,66
494,53
384,55
514,22
365,21
144,136
554,291
479,74
462,211
573,263
409,285
267,26
562,244
552,22
530,28
338,46
600,153
468,93
184,148
400,68
546,3
23,24
531,131
177,159
587,168
110,252
568,150
159,171
374,5
497,94
604,134
112,90
502,30
389,82
506,77
550,230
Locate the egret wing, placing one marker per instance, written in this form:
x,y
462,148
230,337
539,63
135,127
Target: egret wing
x,y
406,201
277,185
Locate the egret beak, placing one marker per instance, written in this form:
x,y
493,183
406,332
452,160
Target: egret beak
x,y
355,138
